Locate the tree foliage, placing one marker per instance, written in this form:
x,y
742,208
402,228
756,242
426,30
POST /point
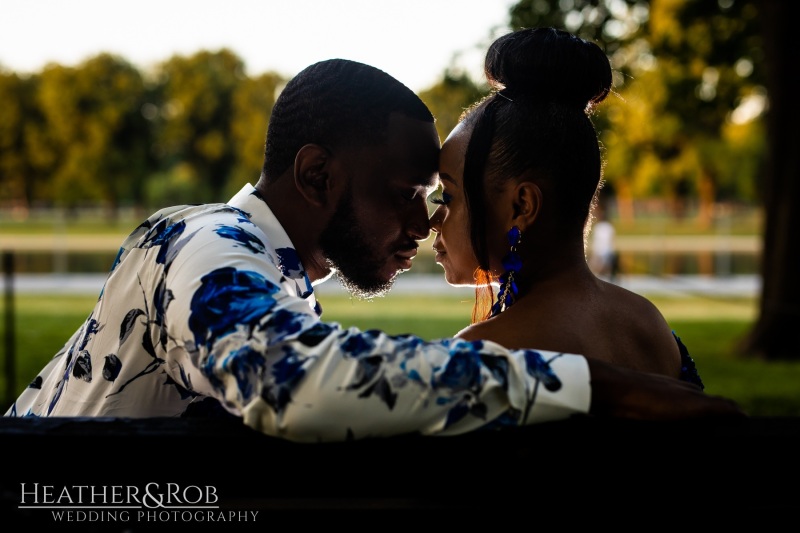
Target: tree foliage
x,y
92,114
105,133
194,120
252,103
26,156
449,98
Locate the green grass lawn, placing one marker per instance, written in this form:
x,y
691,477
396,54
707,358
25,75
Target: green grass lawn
x,y
710,327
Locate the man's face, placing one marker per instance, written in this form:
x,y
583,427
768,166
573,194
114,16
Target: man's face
x,y
383,210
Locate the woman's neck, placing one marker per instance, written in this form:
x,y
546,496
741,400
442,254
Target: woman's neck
x,y
565,264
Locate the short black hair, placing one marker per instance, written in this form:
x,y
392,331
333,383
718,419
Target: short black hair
x,y
334,103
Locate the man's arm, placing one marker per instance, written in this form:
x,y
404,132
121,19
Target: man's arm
x,y
368,384
291,375
624,393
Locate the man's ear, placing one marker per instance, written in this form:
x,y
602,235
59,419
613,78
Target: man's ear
x,y
311,173
527,203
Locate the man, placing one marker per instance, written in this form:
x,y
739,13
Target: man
x,y
217,301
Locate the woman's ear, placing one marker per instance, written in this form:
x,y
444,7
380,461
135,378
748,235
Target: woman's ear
x,y
527,204
311,174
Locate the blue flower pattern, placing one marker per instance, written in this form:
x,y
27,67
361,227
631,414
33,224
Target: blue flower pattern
x,y
242,237
228,299
289,263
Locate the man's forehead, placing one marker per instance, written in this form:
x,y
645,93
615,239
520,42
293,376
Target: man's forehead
x,y
414,145
413,171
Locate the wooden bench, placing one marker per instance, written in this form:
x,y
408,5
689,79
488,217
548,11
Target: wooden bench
x,y
572,469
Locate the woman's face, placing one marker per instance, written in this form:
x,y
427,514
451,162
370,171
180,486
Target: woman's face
x,y
450,221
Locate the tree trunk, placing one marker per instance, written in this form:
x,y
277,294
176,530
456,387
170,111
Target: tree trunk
x,y
707,195
626,214
774,336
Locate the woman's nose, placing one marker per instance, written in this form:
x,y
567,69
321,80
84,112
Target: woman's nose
x,y
436,219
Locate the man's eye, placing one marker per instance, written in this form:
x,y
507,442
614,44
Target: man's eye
x,y
444,199
409,195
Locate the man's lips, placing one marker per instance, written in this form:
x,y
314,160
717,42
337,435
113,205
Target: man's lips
x,y
408,254
405,256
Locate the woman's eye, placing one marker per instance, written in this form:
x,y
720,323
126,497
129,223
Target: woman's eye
x,y
444,199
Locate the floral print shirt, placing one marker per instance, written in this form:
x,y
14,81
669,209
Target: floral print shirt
x,y
212,301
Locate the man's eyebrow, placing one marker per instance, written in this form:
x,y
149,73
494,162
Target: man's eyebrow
x,y
427,180
431,179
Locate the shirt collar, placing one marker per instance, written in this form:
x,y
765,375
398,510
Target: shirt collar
x,y
249,201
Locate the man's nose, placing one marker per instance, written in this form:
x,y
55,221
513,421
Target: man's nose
x,y
420,228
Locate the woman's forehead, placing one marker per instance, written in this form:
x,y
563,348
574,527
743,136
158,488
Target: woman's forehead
x,y
451,159
460,131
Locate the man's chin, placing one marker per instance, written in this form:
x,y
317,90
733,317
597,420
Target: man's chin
x,y
367,289
324,278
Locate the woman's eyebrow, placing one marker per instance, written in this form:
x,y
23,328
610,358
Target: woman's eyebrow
x,y
447,177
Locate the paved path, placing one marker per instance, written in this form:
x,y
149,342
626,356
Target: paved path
x,y
676,286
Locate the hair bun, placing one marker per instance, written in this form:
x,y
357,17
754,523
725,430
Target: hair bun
x,y
549,64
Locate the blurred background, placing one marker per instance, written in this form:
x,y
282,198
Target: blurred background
x,y
108,113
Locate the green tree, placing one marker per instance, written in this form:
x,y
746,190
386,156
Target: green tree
x,y
712,53
193,119
252,106
93,113
615,23
27,157
448,99
773,335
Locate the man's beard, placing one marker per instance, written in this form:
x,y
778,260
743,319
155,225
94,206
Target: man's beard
x,y
350,253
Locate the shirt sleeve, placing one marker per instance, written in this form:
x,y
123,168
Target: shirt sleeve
x,y
237,333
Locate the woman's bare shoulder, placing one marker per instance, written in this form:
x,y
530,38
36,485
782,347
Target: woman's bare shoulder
x,y
646,327
473,332
494,330
634,304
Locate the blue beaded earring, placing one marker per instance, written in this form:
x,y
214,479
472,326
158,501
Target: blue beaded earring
x,y
512,262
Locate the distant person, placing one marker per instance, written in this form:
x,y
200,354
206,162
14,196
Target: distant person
x,y
217,301
603,256
519,174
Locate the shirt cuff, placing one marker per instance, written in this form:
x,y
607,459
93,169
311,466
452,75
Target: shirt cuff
x,y
573,397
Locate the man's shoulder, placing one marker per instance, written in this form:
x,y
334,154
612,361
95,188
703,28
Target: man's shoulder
x,y
170,223
196,215
192,211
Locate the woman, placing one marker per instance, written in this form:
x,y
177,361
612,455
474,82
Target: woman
x,y
519,174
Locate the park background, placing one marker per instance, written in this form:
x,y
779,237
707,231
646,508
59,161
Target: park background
x,y
696,182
